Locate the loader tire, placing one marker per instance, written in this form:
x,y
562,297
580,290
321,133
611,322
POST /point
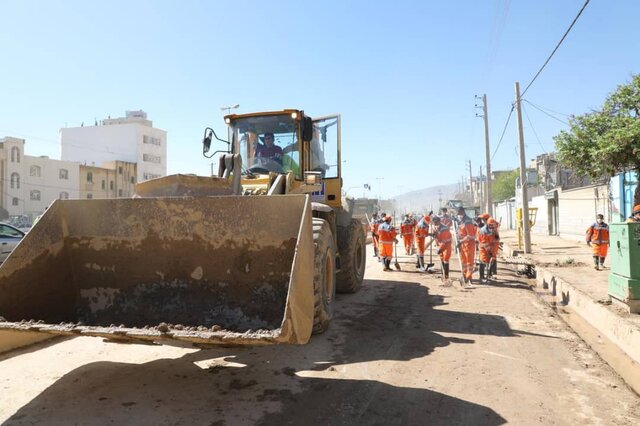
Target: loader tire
x,y
353,257
324,275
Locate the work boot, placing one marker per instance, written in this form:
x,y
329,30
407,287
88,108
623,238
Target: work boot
x,y
482,271
384,263
375,251
494,268
596,261
602,262
445,269
417,262
421,262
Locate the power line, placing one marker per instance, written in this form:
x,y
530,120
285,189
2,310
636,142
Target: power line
x,y
556,48
533,129
546,108
503,132
546,113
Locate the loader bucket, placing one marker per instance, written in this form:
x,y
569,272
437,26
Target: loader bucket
x,y
207,270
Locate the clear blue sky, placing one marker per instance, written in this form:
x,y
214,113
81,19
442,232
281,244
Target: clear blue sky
x,y
403,74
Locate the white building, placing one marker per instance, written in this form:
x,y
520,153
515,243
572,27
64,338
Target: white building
x,y
29,184
131,138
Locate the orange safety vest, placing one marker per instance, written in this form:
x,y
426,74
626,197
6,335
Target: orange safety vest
x,y
406,228
598,233
387,233
443,235
466,229
487,239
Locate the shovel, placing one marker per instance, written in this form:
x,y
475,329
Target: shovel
x,y
430,264
395,247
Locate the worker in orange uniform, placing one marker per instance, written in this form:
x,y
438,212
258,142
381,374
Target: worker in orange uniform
x,y
598,239
407,228
422,232
635,215
442,235
375,222
387,236
467,243
445,218
488,240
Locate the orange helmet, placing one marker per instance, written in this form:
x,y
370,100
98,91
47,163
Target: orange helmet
x,y
484,216
492,222
636,209
427,218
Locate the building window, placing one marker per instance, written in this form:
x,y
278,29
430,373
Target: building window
x,y
64,195
15,154
35,171
149,158
35,195
14,201
119,192
111,185
64,174
133,180
104,184
147,176
90,177
120,170
151,140
89,196
15,181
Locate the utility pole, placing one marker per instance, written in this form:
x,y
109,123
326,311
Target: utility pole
x,y
487,154
481,190
471,184
526,229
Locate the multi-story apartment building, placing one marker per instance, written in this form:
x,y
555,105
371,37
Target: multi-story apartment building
x,y
116,179
29,184
131,139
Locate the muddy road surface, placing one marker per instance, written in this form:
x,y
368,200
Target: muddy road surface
x,y
405,350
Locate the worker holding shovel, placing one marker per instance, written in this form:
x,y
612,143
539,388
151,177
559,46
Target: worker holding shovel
x,y
387,236
442,235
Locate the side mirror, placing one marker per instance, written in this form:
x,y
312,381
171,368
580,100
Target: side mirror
x,y
209,134
307,129
206,142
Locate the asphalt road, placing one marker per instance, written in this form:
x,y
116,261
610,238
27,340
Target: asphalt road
x,y
405,350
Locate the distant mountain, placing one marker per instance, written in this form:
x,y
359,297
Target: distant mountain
x,y
423,200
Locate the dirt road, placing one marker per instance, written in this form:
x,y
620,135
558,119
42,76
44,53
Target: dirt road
x,y
405,350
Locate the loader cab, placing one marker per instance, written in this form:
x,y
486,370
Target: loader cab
x,y
289,142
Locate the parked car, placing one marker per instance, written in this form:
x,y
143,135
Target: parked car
x,y
10,236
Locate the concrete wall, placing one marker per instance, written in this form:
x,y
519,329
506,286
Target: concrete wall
x,y
578,209
505,213
541,225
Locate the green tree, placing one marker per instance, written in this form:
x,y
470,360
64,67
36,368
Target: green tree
x,y
504,187
606,141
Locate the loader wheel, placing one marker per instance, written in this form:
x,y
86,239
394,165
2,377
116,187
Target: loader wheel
x,y
324,275
353,257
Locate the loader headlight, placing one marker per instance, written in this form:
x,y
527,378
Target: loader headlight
x,y
294,115
227,120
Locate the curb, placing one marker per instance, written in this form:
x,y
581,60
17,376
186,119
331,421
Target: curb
x,y
622,332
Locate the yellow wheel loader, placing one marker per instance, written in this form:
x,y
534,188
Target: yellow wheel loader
x,y
251,256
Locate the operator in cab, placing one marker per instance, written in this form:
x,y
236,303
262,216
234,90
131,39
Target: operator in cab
x,y
268,149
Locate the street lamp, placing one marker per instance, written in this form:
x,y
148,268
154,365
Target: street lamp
x,y
229,108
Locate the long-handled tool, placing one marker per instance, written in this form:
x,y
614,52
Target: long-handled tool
x,y
458,251
395,247
430,265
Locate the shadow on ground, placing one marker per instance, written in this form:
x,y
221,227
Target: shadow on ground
x,y
394,321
